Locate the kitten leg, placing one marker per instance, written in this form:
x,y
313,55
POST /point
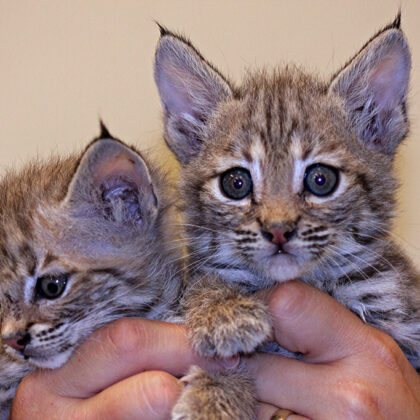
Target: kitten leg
x,y
220,396
223,321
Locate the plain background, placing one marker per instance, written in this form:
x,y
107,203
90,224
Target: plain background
x,y
65,63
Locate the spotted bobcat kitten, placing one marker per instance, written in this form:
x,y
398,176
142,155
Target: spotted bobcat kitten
x,y
84,240
287,177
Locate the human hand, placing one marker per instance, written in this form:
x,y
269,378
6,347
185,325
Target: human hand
x,y
127,369
349,370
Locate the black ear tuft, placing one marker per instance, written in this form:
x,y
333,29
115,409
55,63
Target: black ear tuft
x,y
162,29
397,21
104,133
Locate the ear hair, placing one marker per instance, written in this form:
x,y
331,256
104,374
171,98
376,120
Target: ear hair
x,y
112,183
374,85
190,89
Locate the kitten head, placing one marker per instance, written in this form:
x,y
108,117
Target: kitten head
x,y
82,243
285,173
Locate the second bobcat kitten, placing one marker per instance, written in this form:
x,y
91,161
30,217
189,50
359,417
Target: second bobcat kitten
x,y
286,177
84,241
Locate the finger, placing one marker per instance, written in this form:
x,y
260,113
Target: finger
x,y
284,382
309,321
290,417
294,417
354,387
122,349
266,412
149,395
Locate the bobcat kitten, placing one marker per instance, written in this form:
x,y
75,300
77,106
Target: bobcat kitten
x,y
287,177
83,241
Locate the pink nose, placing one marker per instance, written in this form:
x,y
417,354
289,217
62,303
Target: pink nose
x,y
276,236
279,237
17,342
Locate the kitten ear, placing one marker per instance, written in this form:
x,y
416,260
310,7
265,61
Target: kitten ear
x,y
374,87
190,89
112,183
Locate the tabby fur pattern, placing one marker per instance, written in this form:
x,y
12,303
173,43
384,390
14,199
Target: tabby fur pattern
x,y
275,127
100,223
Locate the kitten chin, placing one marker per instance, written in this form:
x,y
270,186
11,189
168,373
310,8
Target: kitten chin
x,y
50,362
281,268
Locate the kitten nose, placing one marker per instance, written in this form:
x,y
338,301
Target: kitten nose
x,y
18,341
277,235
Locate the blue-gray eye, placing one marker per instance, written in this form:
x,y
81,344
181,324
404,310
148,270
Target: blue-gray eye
x,y
236,183
320,180
51,286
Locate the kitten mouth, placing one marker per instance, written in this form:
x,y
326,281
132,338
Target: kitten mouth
x,y
280,250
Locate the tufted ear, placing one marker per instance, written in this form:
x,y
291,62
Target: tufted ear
x,y
190,89
112,183
374,88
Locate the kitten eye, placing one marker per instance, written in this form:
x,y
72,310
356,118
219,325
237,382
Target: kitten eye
x,y
320,179
51,287
236,183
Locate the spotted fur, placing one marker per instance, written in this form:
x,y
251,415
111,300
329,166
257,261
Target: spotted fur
x,y
276,125
102,218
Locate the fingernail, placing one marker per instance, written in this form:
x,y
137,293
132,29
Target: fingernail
x,y
230,362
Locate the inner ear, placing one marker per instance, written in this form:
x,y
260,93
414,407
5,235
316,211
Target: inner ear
x,y
112,182
374,89
190,90
121,182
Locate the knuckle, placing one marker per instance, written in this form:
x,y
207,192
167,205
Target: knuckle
x,y
385,350
159,392
288,301
127,336
32,396
162,382
25,392
358,400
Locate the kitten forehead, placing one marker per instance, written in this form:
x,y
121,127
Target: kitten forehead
x,y
244,157
296,147
257,151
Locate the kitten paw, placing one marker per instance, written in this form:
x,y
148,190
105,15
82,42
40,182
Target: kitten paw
x,y
236,326
220,396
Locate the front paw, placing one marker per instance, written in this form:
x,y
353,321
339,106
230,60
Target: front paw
x,y
220,396
235,326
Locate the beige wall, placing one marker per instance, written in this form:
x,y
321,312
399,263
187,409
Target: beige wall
x,y
64,63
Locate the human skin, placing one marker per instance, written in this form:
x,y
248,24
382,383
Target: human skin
x,y
129,369
349,370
